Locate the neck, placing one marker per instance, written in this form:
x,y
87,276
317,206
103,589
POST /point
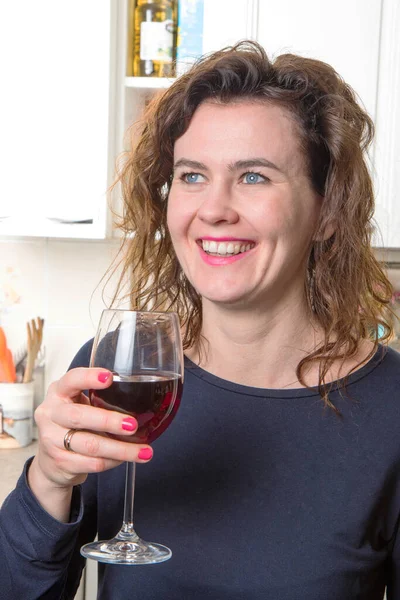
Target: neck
x,y
259,348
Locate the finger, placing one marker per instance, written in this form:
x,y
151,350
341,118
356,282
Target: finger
x,y
84,416
73,464
82,378
47,411
91,445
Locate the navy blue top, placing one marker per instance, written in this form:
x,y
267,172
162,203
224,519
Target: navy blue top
x,y
260,494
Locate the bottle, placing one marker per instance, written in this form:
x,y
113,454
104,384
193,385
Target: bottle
x,y
155,26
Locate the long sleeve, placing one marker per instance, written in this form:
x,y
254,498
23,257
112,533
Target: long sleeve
x,y
40,556
36,549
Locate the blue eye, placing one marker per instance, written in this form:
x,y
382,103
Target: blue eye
x,y
191,177
252,178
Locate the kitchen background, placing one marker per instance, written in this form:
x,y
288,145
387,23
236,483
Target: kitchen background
x,y
72,94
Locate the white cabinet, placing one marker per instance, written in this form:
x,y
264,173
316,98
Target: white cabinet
x,y
344,33
387,146
54,117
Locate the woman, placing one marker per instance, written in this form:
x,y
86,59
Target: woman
x,y
279,477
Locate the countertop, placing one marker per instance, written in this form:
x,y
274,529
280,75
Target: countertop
x,y
11,464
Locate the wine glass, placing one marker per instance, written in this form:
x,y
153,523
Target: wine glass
x,y
144,352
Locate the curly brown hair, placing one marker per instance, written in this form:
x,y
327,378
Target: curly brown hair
x,y
347,290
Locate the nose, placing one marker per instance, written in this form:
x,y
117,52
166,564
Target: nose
x,y
217,206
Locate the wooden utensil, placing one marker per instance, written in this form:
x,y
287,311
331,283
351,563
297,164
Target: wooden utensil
x,y
34,341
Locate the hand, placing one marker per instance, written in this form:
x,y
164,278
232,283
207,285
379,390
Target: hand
x,y
55,469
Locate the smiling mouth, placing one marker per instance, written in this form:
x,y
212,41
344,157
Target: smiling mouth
x,y
225,248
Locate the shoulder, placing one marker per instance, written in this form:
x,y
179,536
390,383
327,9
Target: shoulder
x,y
388,359
382,370
374,363
82,357
377,386
376,390
389,364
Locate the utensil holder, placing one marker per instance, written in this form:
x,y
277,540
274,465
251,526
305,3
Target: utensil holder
x,y
16,406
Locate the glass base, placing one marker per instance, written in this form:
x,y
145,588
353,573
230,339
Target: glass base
x,y
126,550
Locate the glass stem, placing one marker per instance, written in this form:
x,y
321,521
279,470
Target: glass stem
x,y
127,525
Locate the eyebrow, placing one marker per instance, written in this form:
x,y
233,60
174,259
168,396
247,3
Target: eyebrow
x,y
239,164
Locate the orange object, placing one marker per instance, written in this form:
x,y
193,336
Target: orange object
x,y
3,373
7,368
3,348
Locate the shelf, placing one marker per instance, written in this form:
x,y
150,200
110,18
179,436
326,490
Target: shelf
x,y
152,83
42,227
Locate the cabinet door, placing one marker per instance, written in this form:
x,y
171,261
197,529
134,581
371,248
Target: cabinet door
x,y
387,145
54,116
344,33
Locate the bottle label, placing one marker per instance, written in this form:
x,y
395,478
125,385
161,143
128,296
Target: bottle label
x,y
156,40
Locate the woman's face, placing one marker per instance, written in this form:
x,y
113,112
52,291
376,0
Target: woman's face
x,y
241,210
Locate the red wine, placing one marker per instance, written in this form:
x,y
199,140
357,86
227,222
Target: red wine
x,y
152,399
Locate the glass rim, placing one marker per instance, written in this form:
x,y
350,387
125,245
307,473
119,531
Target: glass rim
x,y
146,312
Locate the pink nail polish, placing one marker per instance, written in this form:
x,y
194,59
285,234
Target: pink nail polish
x,y
129,424
103,377
145,453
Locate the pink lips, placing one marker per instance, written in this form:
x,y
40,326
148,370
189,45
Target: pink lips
x,y
218,261
226,239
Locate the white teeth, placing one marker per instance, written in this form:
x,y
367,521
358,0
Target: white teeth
x,y
223,248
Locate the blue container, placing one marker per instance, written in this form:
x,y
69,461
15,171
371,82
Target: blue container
x,y
190,34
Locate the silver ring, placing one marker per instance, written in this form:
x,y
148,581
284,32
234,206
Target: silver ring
x,y
67,439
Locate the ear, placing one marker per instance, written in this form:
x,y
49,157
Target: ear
x,y
325,233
